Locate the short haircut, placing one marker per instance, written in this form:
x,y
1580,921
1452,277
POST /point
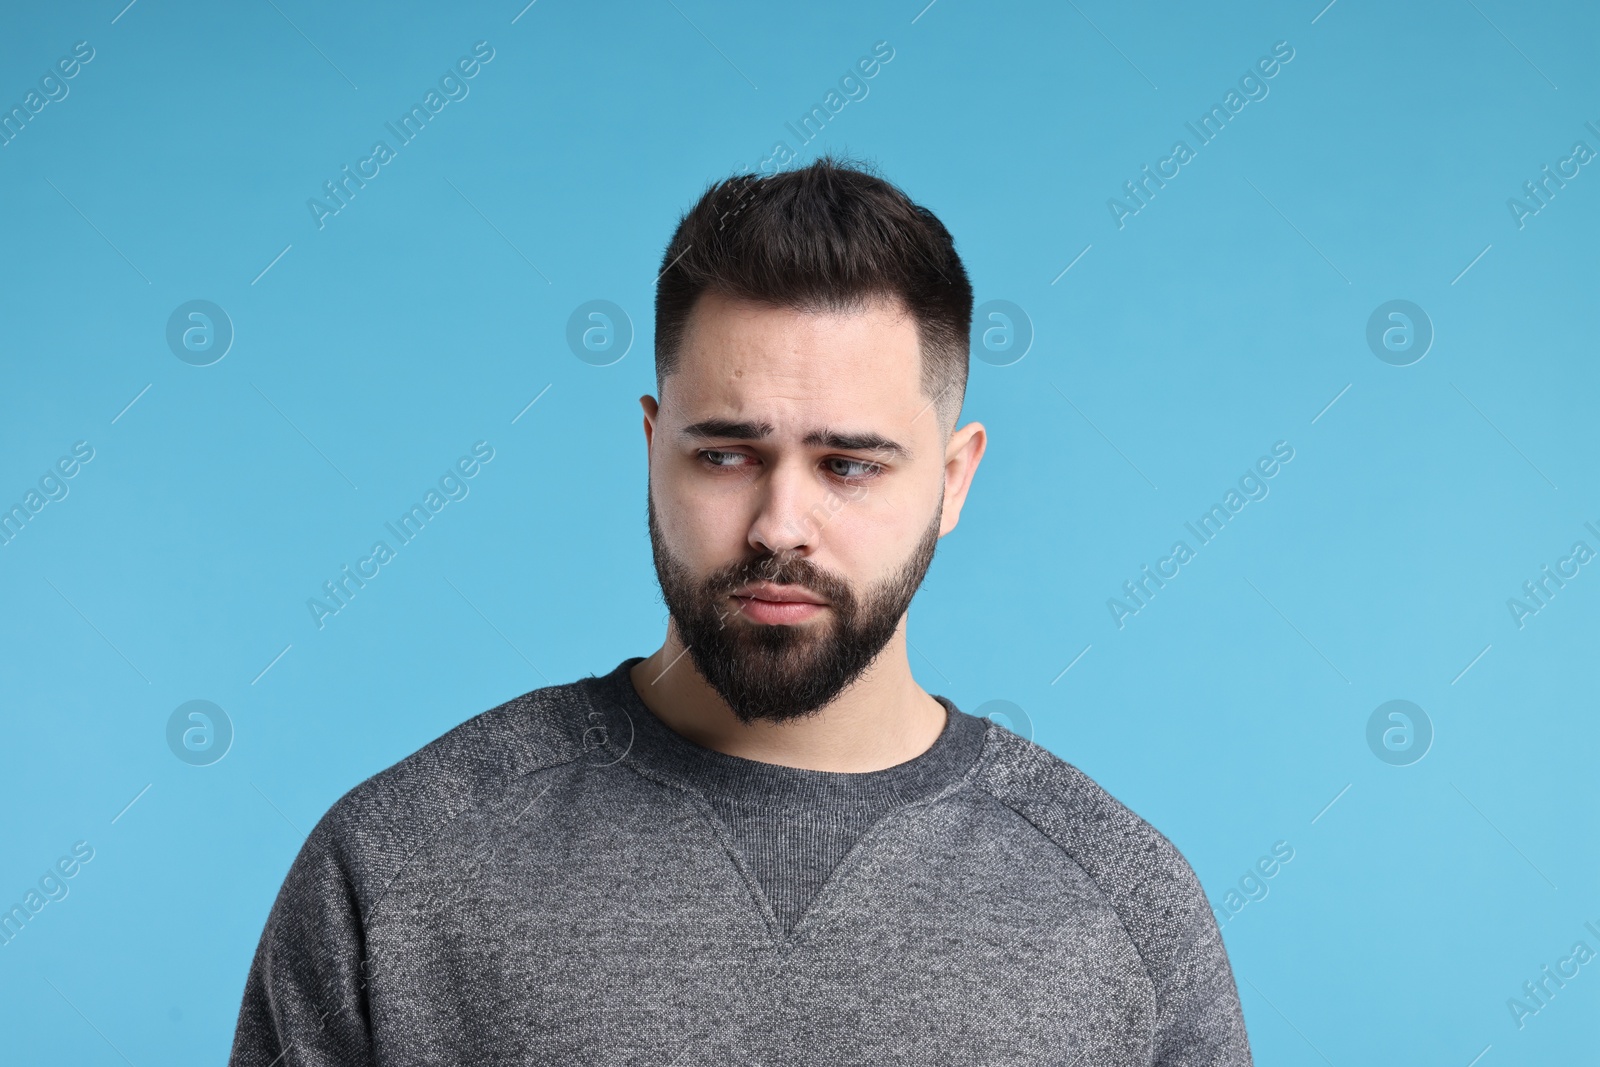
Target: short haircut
x,y
830,236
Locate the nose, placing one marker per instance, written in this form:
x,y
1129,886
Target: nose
x,y
790,513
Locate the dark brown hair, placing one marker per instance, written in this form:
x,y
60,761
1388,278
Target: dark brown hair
x,y
829,236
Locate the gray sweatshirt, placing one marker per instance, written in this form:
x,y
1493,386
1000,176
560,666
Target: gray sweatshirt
x,y
566,880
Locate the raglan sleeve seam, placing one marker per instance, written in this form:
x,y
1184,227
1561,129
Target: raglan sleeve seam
x,y
1105,898
1183,893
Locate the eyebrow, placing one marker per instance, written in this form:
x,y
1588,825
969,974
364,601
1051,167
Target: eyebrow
x,y
823,438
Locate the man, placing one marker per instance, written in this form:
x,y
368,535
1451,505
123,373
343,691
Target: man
x,y
764,843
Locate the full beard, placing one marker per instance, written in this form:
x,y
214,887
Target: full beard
x,y
774,671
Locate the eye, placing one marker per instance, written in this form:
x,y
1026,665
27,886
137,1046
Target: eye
x,y
860,468
722,459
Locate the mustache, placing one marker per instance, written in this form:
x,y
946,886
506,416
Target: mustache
x,y
780,570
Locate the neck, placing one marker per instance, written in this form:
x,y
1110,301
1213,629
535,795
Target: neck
x,y
883,719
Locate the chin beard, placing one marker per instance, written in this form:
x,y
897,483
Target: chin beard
x,y
777,671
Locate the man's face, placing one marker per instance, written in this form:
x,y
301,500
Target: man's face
x,y
793,455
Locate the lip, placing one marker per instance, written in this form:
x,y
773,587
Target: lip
x,y
779,594
764,602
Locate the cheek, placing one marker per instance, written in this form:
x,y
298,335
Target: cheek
x,y
870,538
704,519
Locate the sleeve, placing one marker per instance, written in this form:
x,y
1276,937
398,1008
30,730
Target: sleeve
x,y
1199,1022
305,1001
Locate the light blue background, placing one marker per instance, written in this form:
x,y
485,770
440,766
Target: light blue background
x,y
1223,317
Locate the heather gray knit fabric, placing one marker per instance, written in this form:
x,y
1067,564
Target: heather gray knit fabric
x,y
564,880
793,826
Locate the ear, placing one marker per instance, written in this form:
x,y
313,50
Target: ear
x,y
648,403
961,458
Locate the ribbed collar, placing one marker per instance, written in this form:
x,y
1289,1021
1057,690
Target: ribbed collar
x,y
634,733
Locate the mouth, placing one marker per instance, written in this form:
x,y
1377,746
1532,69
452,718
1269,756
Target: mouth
x,y
778,604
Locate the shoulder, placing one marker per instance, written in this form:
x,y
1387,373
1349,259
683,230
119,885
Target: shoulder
x,y
1142,874
1146,881
373,830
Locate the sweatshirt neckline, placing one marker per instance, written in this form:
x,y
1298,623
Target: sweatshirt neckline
x,y
639,736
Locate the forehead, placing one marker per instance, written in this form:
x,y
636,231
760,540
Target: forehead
x,y
789,366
